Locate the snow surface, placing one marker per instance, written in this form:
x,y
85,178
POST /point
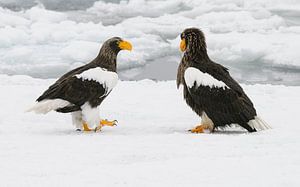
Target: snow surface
x,y
192,75
151,145
258,40
106,78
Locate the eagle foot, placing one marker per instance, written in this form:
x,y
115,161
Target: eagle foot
x,y
101,124
201,129
86,127
105,122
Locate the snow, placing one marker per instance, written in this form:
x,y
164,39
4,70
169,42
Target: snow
x,y
192,75
106,78
151,145
258,40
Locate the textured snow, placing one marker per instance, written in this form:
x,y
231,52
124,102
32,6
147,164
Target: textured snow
x,y
151,145
258,40
192,75
106,78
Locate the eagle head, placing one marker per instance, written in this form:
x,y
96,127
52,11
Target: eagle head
x,y
192,40
113,46
108,53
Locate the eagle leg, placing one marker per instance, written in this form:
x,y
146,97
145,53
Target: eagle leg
x,y
201,129
86,127
105,122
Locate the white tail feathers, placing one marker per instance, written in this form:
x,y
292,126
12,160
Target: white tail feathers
x,y
258,124
47,105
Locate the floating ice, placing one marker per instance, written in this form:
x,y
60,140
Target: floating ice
x,y
257,40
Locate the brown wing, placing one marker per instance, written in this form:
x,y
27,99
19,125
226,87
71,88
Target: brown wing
x,y
223,106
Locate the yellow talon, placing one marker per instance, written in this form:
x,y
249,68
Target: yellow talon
x,y
101,124
86,127
201,129
105,123
108,123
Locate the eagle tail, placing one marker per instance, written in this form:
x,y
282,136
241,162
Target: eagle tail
x,y
45,106
258,124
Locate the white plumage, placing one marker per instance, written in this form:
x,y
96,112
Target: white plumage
x,y
106,78
45,106
192,75
90,115
258,124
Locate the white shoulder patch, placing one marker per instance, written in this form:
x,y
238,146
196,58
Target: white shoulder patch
x,y
108,79
192,75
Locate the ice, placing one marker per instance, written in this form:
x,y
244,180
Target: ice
x,y
70,52
151,145
62,5
47,38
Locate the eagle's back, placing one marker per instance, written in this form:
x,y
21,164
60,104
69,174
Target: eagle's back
x,y
50,92
81,85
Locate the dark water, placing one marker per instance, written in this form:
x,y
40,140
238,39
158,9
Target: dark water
x,y
248,73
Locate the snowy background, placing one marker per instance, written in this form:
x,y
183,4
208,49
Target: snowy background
x,y
258,40
151,145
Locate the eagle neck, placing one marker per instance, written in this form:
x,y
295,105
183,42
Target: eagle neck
x,y
108,62
197,56
196,48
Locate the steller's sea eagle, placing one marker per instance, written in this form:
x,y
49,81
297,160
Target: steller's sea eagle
x,y
82,90
209,89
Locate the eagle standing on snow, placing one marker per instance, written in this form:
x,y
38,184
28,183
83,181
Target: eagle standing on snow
x,y
209,89
82,90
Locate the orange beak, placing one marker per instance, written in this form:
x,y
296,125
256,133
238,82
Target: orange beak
x,y
125,45
182,45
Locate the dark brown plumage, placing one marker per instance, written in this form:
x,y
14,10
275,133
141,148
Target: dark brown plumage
x,y
83,89
213,94
76,91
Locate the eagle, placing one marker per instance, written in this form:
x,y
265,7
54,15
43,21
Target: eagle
x,y
82,90
210,91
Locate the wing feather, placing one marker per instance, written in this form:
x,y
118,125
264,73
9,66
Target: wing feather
x,y
223,105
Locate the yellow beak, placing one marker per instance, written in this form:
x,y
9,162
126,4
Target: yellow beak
x,y
182,45
125,45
